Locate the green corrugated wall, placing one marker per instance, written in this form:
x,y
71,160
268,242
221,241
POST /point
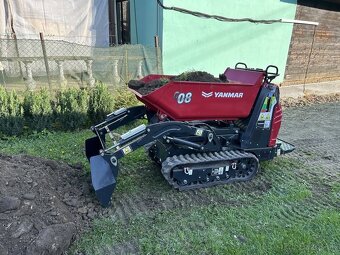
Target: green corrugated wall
x,y
191,43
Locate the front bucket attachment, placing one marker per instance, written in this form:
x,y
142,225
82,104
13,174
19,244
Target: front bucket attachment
x,y
92,147
103,175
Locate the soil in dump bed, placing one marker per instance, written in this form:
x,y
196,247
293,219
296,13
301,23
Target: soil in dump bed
x,y
198,76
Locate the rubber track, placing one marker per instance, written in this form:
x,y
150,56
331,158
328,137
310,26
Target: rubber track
x,y
175,161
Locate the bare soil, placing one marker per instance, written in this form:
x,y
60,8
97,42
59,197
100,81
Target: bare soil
x,y
309,100
44,205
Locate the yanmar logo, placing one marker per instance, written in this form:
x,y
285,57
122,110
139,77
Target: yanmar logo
x,y
205,94
222,94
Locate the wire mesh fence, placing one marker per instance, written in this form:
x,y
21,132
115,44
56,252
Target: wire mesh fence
x,y
60,62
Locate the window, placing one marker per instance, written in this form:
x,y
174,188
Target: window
x,y
119,22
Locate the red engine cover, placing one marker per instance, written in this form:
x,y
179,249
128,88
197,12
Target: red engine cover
x,y
186,100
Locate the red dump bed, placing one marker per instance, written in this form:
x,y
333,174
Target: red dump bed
x,y
187,100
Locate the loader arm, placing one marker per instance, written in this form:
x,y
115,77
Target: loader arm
x,y
104,159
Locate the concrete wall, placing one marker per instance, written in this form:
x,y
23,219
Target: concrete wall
x,y
146,21
191,43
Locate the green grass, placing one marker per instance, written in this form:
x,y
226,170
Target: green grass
x,y
280,212
219,230
63,146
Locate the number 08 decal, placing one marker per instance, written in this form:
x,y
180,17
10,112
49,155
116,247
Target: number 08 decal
x,y
183,97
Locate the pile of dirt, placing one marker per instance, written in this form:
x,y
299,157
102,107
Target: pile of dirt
x,y
309,100
146,88
44,205
196,76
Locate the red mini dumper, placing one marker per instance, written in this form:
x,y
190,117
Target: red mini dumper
x,y
200,133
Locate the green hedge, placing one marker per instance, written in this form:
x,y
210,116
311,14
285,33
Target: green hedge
x,y
38,111
68,109
11,113
71,109
101,103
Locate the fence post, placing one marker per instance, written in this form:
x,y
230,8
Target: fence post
x,y
43,46
126,66
62,80
17,52
91,81
116,77
2,72
31,84
157,55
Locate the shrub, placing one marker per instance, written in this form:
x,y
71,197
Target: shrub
x,y
11,113
38,110
71,109
3,101
101,103
124,98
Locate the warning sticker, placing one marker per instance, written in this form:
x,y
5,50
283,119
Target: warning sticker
x,y
260,124
126,150
199,132
267,124
266,113
265,116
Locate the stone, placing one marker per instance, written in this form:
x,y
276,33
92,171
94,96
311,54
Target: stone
x,y
9,203
52,164
53,213
72,202
11,183
54,240
29,196
82,210
3,216
3,250
25,227
28,208
240,238
91,215
39,224
78,165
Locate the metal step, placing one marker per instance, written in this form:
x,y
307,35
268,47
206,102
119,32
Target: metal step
x,y
284,147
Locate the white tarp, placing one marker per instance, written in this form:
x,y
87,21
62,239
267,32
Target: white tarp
x,y
2,18
79,21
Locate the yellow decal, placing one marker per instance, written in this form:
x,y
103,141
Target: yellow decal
x,y
265,116
127,150
199,132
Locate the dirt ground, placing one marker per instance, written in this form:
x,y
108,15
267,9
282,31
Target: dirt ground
x,y
45,205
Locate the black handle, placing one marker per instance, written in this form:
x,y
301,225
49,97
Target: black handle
x,y
270,75
276,70
241,63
